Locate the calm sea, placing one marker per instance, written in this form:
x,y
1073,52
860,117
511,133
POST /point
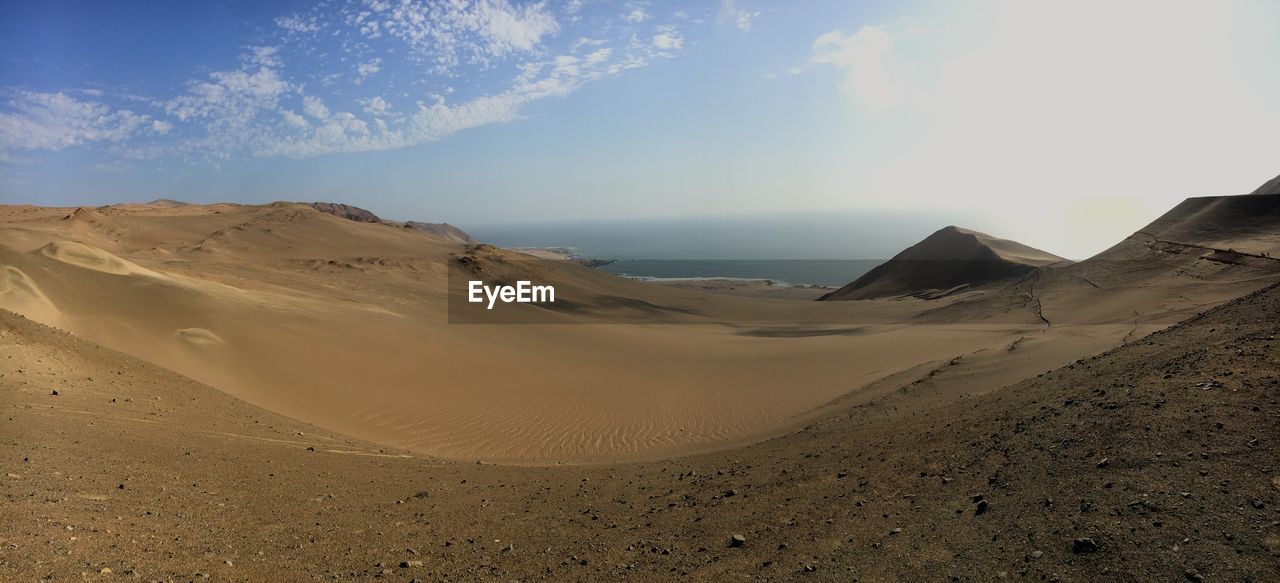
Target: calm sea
x,y
827,272
831,249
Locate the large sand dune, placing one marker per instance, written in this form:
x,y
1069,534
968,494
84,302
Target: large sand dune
x,y
346,324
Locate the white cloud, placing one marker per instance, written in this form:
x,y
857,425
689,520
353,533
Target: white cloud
x,y
599,56
448,34
314,107
298,25
872,78
422,48
364,70
294,120
731,14
668,41
54,121
637,15
376,106
233,96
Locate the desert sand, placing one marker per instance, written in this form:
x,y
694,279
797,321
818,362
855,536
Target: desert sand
x,y
279,392
266,303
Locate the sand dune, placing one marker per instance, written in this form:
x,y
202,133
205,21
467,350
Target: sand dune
x,y
950,260
1152,461
89,257
20,295
346,324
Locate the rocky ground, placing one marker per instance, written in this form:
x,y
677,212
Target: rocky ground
x,y
1155,461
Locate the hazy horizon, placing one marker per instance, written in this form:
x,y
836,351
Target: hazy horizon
x,y
1065,127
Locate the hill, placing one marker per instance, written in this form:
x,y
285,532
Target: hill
x,y
1270,187
949,260
443,230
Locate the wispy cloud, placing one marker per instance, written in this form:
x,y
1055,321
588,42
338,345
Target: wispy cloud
x,y
871,78
446,35
404,58
54,121
364,70
730,13
112,166
297,24
668,40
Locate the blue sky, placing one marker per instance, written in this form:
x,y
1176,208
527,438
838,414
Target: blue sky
x,y
1096,114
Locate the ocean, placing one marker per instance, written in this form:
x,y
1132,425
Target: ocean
x,y
825,272
829,250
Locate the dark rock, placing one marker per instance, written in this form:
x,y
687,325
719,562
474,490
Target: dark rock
x,y
1084,545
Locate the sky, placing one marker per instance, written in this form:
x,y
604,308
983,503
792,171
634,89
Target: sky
x,y
1062,125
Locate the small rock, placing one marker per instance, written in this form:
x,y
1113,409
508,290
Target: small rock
x,y
410,564
1084,545
1256,503
1104,462
54,393
737,540
1192,575
730,493
1037,554
105,571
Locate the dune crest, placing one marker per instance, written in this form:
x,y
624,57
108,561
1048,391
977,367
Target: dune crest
x,y
90,257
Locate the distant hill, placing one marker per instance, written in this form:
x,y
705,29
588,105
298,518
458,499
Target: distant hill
x,y
946,261
346,211
355,213
444,230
